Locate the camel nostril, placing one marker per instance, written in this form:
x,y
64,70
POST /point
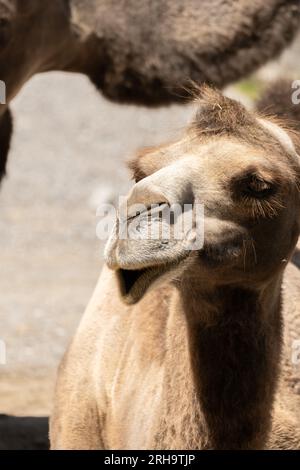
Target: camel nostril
x,y
149,210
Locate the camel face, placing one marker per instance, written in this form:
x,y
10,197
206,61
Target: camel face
x,y
238,177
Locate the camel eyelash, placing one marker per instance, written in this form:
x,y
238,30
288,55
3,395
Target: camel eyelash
x,y
258,195
258,188
253,186
266,208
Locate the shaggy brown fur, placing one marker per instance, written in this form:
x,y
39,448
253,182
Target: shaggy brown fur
x,y
192,349
148,49
140,51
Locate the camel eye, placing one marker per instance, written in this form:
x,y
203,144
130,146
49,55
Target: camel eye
x,y
257,187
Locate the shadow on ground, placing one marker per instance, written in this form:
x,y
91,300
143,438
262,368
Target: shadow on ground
x,y
23,433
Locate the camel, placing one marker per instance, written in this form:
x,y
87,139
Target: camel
x,y
186,345
277,99
138,51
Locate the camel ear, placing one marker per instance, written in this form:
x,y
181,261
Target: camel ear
x,y
140,162
279,103
148,160
288,139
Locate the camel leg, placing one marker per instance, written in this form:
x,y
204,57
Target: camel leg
x,y
6,128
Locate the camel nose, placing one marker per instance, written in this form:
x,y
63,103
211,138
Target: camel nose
x,y
157,221
170,185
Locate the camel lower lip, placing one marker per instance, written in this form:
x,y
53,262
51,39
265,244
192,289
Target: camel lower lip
x,y
135,281
130,277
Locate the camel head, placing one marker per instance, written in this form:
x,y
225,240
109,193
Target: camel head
x,y
220,205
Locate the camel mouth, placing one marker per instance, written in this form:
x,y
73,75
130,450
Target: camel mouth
x,y
133,283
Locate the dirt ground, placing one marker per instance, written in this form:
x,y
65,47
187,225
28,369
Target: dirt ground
x,y
67,157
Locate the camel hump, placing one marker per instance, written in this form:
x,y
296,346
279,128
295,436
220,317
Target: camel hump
x,y
148,47
281,98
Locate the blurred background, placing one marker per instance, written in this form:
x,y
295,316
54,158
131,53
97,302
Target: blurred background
x,y
68,156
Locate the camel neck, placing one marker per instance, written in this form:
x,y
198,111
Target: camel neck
x,y
234,343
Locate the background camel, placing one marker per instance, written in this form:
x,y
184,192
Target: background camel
x,y
277,100
139,51
179,348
